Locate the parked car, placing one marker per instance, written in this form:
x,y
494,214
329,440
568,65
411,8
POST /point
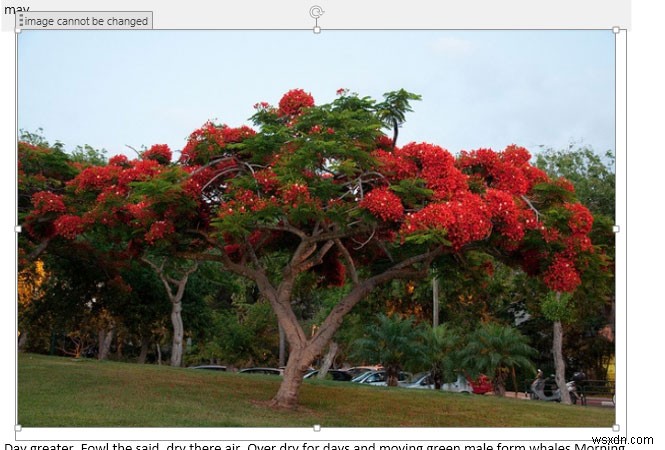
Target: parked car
x,y
378,378
263,371
481,385
335,375
209,367
355,371
424,381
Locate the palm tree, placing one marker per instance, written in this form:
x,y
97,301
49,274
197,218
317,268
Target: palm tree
x,y
442,345
392,111
393,342
496,350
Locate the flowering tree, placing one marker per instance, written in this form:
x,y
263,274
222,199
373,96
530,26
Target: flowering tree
x,y
321,190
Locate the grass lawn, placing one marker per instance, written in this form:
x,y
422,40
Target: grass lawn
x,y
54,392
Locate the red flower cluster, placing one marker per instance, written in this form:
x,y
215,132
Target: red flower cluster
x,y
508,171
578,243
210,140
158,152
565,184
562,276
465,220
550,234
534,175
292,103
142,213
296,194
516,156
244,201
438,169
248,200
202,144
95,177
118,160
262,106
68,226
384,204
581,220
505,214
239,134
267,179
198,178
383,142
159,230
139,170
395,167
115,177
44,202
427,161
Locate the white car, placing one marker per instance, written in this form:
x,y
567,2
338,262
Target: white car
x,y
424,381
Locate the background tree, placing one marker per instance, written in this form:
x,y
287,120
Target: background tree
x,y
592,175
174,280
393,342
497,350
392,111
442,346
590,328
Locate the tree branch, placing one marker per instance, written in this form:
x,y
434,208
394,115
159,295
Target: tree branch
x,y
533,208
349,261
401,270
283,227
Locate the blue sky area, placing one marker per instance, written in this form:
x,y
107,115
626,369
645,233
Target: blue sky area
x,y
110,89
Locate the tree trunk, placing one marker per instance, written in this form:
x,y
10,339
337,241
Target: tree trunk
x,y
176,301
515,387
178,333
559,363
282,346
289,391
436,373
145,345
328,360
105,339
499,382
22,341
435,302
392,375
303,349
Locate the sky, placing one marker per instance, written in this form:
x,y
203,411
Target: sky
x,y
480,89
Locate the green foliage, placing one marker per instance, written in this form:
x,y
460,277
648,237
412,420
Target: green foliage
x,y
556,307
37,139
89,156
493,349
412,191
227,322
392,111
393,342
592,175
244,335
41,168
443,345
589,310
